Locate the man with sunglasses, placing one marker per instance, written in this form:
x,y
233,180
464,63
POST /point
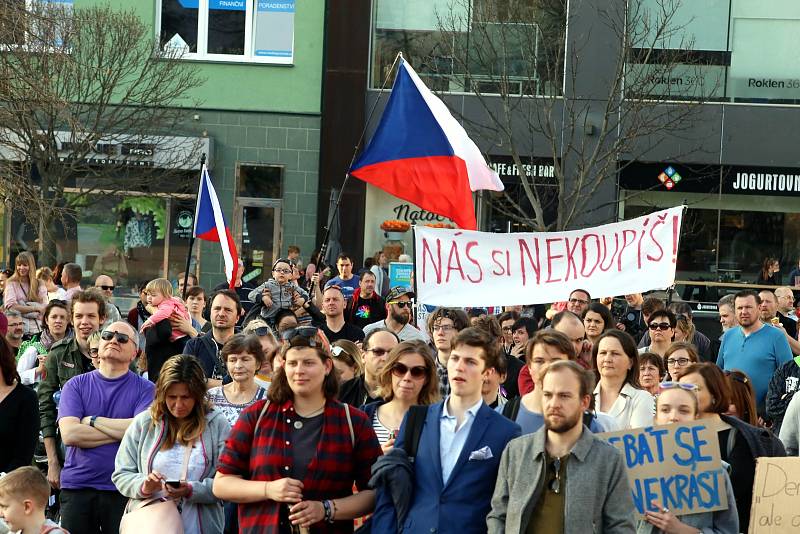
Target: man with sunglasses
x,y
359,391
562,478
399,311
105,284
96,409
68,357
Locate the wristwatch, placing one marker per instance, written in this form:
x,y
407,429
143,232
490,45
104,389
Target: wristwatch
x,y
92,419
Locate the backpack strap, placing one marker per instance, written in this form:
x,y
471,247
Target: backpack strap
x,y
350,424
260,415
413,431
511,409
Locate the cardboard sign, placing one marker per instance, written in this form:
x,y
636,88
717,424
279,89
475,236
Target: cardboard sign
x,y
462,268
775,496
675,466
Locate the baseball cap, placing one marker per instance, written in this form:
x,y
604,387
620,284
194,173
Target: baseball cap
x,y
398,291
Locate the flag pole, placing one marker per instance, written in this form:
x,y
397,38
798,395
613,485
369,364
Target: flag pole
x,y
191,237
327,228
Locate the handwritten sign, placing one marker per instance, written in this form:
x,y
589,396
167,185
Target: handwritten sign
x,y
775,492
676,466
465,268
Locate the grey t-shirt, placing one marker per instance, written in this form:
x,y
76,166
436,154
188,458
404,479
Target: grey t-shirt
x,y
304,444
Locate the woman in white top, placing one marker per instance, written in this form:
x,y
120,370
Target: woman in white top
x,y
618,393
408,378
33,353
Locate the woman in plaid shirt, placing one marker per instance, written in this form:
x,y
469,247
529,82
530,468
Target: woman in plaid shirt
x,y
292,460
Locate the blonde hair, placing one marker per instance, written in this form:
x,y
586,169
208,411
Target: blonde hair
x,y
44,274
26,483
161,285
32,281
94,337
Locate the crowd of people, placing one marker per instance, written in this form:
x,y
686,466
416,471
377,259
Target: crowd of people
x,y
306,403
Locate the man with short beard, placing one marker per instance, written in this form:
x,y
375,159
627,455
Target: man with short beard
x,y
398,315
753,347
366,306
597,485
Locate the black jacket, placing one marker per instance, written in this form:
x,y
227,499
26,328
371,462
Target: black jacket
x,y
354,392
784,384
205,349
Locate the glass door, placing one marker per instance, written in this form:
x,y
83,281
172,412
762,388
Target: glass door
x,y
258,238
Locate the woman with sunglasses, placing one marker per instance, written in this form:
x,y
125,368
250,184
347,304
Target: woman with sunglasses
x,y
346,359
408,378
24,293
739,443
171,450
662,330
677,403
679,356
618,393
33,353
291,460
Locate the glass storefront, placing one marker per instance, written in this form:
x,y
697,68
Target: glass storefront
x,y
739,50
472,45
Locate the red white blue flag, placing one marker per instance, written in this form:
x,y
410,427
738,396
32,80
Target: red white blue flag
x,y
210,225
420,153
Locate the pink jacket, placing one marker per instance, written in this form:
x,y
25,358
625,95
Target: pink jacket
x,y
167,307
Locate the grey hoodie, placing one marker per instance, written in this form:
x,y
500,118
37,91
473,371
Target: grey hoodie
x,y
138,449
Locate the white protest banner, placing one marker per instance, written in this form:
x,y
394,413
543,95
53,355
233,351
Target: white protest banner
x,y
675,466
462,268
775,492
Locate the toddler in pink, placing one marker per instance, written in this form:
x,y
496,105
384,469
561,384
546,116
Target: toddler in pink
x,y
162,305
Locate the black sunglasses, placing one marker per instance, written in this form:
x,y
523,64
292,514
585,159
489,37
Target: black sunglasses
x,y
106,288
418,371
261,331
108,335
555,484
306,333
659,326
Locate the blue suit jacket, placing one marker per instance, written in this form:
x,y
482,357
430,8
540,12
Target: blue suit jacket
x,y
461,505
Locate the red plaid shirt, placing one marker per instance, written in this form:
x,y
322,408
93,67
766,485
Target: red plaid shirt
x,y
264,454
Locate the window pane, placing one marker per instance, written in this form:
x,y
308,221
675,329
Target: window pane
x,y
226,27
273,27
260,181
179,25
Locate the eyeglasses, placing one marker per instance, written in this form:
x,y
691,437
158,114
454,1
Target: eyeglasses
x,y
108,335
578,301
308,333
406,304
507,329
680,362
663,386
378,351
282,271
105,288
418,371
659,326
443,328
93,351
555,484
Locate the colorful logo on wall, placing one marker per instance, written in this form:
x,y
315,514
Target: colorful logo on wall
x,y
670,177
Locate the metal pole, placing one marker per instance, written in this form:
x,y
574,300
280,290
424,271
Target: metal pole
x,y
191,238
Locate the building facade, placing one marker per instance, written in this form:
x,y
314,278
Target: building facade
x,y
258,123
733,153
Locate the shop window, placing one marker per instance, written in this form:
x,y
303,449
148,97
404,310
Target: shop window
x,y
229,30
472,45
259,181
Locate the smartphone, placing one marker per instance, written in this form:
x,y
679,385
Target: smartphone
x,y
173,483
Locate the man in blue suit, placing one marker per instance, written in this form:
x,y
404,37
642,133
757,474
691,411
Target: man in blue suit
x,y
459,449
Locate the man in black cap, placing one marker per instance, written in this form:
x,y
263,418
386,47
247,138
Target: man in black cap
x,y
398,315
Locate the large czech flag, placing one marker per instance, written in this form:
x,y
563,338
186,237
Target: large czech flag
x,y
210,225
420,153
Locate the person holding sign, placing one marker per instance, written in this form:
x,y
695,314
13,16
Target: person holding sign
x,y
562,478
618,393
739,443
677,403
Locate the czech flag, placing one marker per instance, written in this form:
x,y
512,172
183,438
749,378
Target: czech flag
x,y
210,225
420,153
